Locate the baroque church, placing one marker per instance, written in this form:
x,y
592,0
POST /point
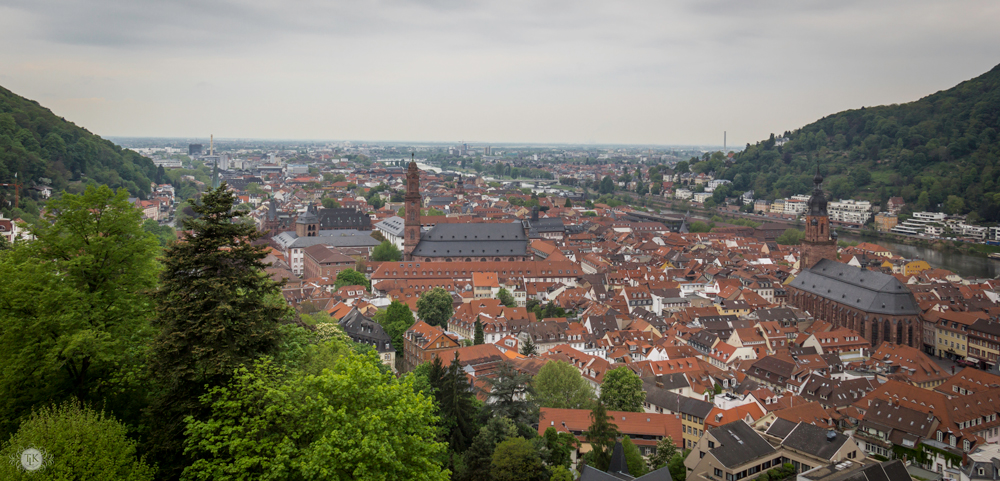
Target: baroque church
x,y
876,305
479,242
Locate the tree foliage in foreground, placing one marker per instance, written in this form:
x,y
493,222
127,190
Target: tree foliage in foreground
x,y
80,443
350,421
601,435
217,311
73,307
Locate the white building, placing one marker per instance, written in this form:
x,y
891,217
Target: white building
x,y
702,196
930,223
682,194
850,211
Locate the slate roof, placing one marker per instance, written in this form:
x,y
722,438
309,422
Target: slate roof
x,y
366,331
780,428
739,444
333,238
815,440
343,218
451,240
886,471
393,225
663,398
865,290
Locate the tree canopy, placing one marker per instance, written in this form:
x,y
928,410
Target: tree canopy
x,y
942,145
216,309
622,390
73,302
351,277
435,307
386,251
79,443
560,385
349,421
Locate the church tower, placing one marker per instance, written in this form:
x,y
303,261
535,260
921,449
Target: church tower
x,y
411,202
307,224
819,242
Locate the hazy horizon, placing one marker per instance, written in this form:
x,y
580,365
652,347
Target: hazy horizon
x,y
429,71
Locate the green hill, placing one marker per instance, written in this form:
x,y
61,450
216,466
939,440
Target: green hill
x,y
938,153
37,145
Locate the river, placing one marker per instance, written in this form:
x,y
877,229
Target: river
x,y
965,265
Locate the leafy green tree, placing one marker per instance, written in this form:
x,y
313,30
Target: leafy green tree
x,y
79,443
351,420
698,227
511,395
515,459
633,458
607,185
386,252
435,307
560,447
254,188
791,237
478,459
560,473
396,320
602,436
560,385
954,205
330,203
622,390
164,233
665,451
351,277
217,310
506,298
73,302
479,333
676,466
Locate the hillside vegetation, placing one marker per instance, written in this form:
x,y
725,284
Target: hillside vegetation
x,y
938,153
41,147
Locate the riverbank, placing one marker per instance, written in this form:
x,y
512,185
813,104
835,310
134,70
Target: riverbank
x,y
942,245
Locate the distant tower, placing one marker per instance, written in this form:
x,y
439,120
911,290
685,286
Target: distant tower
x,y
211,144
819,243
307,224
411,202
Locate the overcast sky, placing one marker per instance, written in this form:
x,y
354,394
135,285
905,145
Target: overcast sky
x,y
577,71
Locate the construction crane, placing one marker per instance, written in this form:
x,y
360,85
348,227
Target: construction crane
x,y
17,191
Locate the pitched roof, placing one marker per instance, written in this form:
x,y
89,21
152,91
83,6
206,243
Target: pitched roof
x,y
739,444
865,290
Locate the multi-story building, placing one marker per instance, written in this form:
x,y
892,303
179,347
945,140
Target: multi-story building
x,y
851,212
324,261
930,223
693,412
421,341
984,341
884,221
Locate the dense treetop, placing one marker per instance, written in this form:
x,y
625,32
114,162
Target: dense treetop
x,y
36,144
939,153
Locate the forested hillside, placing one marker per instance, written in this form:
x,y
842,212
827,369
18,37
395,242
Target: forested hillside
x,y
38,145
939,153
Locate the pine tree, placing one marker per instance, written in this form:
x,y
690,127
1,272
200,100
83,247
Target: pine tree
x,y
528,347
216,310
601,436
457,404
479,333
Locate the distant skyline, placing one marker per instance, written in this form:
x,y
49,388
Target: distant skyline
x,y
547,72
